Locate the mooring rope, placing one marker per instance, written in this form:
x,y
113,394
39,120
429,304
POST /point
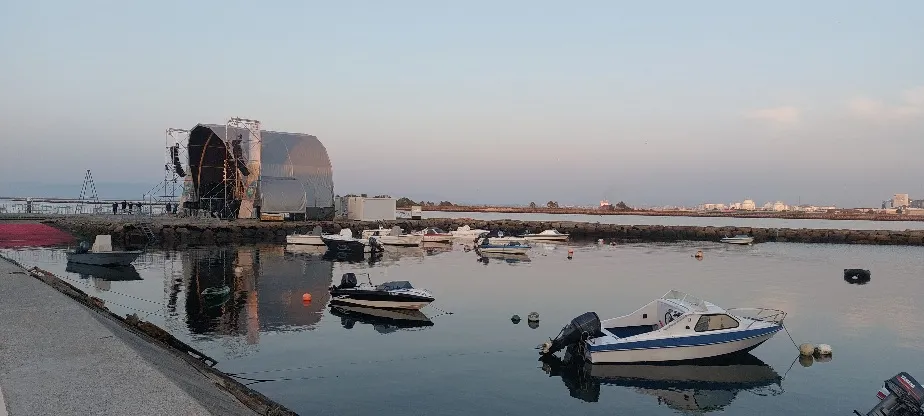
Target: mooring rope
x,y
790,335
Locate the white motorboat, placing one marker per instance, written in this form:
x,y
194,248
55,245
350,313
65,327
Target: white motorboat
x,y
466,232
102,254
675,327
499,237
488,245
741,239
434,235
394,237
312,239
547,235
346,243
389,295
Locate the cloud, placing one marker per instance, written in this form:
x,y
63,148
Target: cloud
x,y
911,106
787,115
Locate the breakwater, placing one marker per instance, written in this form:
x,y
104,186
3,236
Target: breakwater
x,y
183,232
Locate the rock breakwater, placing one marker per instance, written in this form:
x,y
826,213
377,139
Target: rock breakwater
x,y
184,232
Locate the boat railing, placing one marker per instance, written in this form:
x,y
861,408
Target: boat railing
x,y
759,314
693,302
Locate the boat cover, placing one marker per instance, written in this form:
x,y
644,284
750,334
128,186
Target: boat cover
x,y
400,284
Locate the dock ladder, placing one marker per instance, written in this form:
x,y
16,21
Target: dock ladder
x,y
146,229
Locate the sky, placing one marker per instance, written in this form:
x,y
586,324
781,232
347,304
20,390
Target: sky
x,y
651,103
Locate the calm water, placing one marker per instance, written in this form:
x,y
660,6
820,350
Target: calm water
x,y
692,221
476,361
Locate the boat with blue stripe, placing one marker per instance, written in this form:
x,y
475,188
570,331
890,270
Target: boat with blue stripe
x,y
675,327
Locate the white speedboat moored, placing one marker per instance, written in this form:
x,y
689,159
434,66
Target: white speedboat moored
x,y
345,243
499,237
393,237
488,245
675,327
311,239
741,239
434,235
547,235
102,254
466,232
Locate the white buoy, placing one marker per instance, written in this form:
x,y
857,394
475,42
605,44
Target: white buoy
x,y
533,317
823,349
806,349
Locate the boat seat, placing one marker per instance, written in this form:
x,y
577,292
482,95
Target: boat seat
x,y
629,331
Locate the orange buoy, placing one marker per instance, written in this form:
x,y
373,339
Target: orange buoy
x,y
570,253
306,297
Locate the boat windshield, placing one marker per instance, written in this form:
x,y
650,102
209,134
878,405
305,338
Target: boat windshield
x,y
690,301
400,284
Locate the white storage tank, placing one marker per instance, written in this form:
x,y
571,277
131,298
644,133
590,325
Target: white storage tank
x,y
370,209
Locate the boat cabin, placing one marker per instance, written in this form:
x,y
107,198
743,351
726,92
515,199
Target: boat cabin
x,y
674,313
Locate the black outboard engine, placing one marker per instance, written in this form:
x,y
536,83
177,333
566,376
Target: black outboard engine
x,y
584,326
905,398
348,281
376,245
83,247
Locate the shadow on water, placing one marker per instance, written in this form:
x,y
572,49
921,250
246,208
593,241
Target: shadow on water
x,y
383,320
108,273
248,290
701,385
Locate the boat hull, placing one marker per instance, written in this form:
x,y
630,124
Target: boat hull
x,y
381,304
115,258
679,353
738,241
537,237
306,240
401,240
437,238
504,250
347,246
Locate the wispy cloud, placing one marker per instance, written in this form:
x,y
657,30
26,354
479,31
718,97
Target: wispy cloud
x,y
785,115
910,106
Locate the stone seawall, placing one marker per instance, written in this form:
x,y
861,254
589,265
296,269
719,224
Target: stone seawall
x,y
183,232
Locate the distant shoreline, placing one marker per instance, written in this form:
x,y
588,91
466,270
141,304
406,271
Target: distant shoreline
x,y
846,214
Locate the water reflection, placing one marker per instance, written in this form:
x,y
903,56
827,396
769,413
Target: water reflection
x,y
505,257
248,290
108,273
701,386
383,320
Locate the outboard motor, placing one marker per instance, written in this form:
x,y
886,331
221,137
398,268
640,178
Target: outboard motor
x,y
902,396
83,247
348,281
586,325
376,245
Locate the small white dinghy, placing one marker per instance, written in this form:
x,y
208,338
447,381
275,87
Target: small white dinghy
x,y
101,254
547,235
675,327
311,239
740,239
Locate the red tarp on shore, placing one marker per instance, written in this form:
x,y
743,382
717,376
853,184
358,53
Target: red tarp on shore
x,y
31,235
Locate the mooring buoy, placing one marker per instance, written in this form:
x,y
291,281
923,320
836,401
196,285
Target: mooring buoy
x,y
515,319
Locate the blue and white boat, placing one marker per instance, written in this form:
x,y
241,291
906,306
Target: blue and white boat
x,y
675,327
488,245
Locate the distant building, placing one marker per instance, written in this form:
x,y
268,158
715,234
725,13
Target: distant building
x,y
748,205
917,203
900,200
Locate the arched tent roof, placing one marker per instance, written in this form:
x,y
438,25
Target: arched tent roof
x,y
295,170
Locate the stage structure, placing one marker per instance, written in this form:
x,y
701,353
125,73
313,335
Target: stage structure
x,y
237,170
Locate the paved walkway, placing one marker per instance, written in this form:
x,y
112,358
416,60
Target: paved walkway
x,y
58,357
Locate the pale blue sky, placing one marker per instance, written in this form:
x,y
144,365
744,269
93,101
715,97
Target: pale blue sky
x,y
648,102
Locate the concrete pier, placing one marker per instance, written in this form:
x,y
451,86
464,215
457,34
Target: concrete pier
x,y
181,232
59,357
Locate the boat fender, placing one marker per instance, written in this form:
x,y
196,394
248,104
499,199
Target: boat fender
x,y
806,349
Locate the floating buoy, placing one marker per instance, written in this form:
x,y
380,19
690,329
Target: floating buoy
x,y
306,297
570,253
699,254
806,349
515,319
823,349
533,317
600,241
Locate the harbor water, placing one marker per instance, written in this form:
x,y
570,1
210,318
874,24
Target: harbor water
x,y
467,357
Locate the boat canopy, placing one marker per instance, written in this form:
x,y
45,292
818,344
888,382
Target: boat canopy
x,y
399,284
688,301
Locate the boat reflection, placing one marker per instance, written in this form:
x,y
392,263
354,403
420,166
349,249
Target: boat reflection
x,y
702,386
433,248
108,273
306,249
239,293
383,320
505,257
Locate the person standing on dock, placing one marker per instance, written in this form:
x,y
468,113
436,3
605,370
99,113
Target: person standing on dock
x,y
115,207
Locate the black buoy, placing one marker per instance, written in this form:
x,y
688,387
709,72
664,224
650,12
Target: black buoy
x,y
857,276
